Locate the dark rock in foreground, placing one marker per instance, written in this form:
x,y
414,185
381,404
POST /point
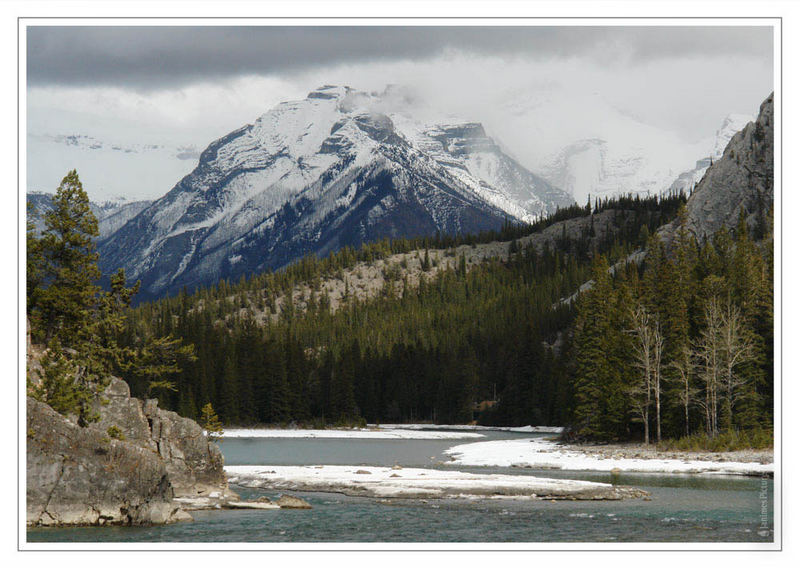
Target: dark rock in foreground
x,y
127,475
79,476
194,465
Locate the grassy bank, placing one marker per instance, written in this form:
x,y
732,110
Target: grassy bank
x,y
727,441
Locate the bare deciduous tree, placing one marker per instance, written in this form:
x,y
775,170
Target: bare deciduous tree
x,y
737,348
707,349
685,369
648,347
723,347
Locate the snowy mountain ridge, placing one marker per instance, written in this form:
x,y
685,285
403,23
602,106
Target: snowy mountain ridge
x,y
110,214
599,167
338,168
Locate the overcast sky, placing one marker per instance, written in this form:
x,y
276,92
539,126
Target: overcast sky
x,y
190,85
152,58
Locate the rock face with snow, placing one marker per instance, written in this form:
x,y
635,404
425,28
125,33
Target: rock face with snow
x,y
730,126
741,179
338,168
611,152
111,215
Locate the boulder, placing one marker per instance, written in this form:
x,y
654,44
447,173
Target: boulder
x,y
80,476
293,502
194,465
137,465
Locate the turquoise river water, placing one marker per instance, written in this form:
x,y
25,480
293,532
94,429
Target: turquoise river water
x,y
684,508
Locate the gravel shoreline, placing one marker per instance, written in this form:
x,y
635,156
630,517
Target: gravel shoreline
x,y
637,450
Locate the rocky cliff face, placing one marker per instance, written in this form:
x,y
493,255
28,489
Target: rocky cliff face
x,y
129,474
194,465
80,476
741,179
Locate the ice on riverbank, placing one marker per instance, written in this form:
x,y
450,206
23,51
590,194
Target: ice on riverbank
x,y
427,427
383,433
544,454
385,482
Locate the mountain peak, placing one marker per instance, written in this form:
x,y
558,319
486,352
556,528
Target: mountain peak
x,y
329,92
337,168
731,124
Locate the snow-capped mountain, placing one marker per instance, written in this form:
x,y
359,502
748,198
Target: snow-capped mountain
x,y
585,145
600,167
338,168
111,215
732,124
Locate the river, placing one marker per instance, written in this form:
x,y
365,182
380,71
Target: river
x,y
684,508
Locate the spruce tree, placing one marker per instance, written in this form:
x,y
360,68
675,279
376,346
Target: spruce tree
x,y
210,422
592,335
34,267
64,307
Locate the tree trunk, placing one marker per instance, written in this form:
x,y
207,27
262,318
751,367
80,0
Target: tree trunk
x,y
686,411
658,413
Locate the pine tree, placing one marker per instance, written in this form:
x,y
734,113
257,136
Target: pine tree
x,y
157,362
34,266
211,423
64,307
58,387
593,339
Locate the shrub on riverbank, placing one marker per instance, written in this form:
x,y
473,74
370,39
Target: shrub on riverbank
x,y
727,441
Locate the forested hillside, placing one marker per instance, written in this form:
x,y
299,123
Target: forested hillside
x,y
662,341
682,345
463,333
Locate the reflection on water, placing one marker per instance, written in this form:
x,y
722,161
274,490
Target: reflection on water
x,y
382,452
684,508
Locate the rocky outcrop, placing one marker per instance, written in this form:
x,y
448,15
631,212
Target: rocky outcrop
x,y
130,468
194,465
741,180
80,476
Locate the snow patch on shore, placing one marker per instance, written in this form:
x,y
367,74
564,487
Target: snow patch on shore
x,y
396,482
544,454
428,427
346,434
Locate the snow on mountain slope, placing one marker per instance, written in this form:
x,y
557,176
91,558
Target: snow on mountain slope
x,y
732,124
476,160
600,151
111,215
338,168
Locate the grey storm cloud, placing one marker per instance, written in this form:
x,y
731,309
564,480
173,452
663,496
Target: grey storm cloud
x,y
153,57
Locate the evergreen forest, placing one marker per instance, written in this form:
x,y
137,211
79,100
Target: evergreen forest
x,y
673,338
